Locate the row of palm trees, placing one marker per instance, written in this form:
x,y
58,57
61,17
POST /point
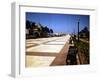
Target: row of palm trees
x,y
35,30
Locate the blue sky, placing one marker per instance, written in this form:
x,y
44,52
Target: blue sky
x,y
66,23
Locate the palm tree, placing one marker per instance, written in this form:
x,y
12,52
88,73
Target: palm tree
x,y
84,32
47,29
28,24
51,31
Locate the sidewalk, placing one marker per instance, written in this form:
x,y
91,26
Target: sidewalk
x,y
47,52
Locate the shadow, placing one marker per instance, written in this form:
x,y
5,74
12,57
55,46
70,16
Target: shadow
x,y
71,57
10,75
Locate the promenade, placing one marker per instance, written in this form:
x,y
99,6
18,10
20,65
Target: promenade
x,y
50,51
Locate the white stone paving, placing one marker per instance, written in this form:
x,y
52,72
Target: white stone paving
x,y
47,45
46,48
38,61
56,43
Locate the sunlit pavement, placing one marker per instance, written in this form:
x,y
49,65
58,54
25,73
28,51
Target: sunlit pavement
x,y
46,51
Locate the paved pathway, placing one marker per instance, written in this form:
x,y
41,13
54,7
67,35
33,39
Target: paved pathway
x,y
46,51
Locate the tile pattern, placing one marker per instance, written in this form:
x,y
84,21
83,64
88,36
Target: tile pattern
x,y
45,51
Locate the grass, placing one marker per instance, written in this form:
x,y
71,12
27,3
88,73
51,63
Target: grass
x,y
83,48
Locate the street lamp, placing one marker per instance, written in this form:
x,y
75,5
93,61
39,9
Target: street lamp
x,y
78,29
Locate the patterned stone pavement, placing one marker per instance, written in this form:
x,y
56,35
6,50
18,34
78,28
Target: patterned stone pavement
x,y
46,51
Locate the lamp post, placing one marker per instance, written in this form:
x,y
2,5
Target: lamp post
x,y
78,29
